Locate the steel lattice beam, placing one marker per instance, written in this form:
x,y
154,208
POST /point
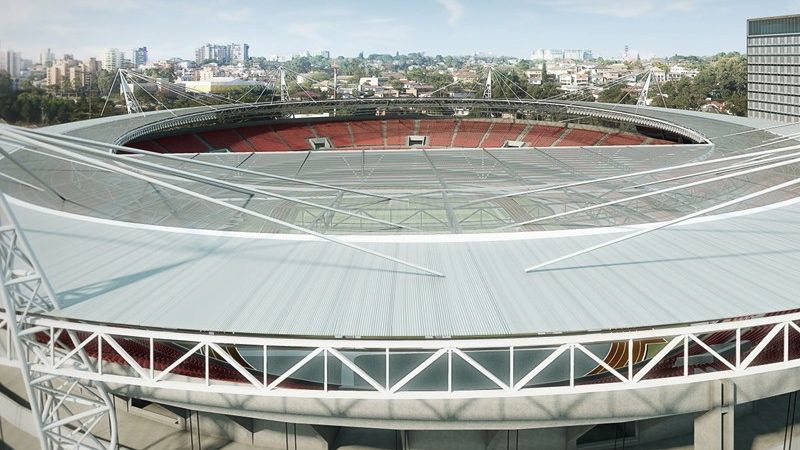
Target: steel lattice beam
x,y
66,409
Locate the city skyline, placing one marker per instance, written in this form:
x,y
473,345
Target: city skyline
x,y
457,27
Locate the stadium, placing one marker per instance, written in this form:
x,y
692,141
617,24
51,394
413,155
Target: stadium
x,y
403,273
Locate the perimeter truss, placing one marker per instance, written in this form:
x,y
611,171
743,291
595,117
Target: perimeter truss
x,y
421,369
66,409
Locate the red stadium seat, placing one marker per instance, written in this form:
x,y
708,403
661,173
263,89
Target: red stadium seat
x,y
230,139
264,139
543,135
502,132
368,133
337,132
469,134
184,143
439,132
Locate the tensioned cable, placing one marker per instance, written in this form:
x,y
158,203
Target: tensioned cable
x,y
217,182
108,96
210,164
669,223
176,89
21,137
652,193
634,174
154,98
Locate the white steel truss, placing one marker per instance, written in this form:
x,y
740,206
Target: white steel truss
x,y
66,409
206,362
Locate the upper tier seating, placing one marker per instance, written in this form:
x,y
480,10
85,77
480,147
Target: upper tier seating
x,y
577,137
502,132
367,133
230,139
337,132
470,134
439,132
264,139
388,133
542,135
295,135
184,143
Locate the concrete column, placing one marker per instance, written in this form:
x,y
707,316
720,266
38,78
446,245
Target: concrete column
x,y
549,438
446,439
714,429
279,436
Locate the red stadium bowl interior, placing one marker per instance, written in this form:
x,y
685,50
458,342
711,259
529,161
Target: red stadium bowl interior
x,y
391,134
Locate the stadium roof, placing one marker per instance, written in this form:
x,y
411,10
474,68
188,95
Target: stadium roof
x,y
122,251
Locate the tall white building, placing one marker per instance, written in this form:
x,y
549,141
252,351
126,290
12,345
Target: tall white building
x,y
112,59
239,53
223,54
46,57
11,62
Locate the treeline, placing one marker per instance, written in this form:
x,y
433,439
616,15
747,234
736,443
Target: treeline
x,y
721,78
32,106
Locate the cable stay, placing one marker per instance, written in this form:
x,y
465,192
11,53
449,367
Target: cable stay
x,y
103,145
650,194
633,174
157,182
237,187
663,225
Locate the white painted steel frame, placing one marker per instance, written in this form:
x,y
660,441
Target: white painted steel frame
x,y
66,408
632,375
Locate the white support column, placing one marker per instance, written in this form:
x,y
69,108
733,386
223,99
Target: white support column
x,y
59,409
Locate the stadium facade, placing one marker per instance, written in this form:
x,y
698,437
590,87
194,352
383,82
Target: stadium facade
x,y
393,277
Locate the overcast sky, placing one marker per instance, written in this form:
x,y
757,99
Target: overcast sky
x,y
346,27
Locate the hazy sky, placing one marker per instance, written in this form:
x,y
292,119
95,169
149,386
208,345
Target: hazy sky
x,y
346,27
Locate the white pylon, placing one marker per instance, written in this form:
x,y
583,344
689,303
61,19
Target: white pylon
x,y
645,91
65,409
284,90
127,91
487,92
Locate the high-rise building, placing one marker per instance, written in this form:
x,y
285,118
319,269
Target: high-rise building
x,y
212,52
46,57
69,70
555,54
112,59
222,54
239,53
11,62
138,56
773,74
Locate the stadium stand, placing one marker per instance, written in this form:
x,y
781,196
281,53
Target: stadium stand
x,y
389,133
469,134
580,137
502,132
439,132
184,143
337,132
151,146
397,132
227,139
368,133
295,135
624,139
265,139
542,135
